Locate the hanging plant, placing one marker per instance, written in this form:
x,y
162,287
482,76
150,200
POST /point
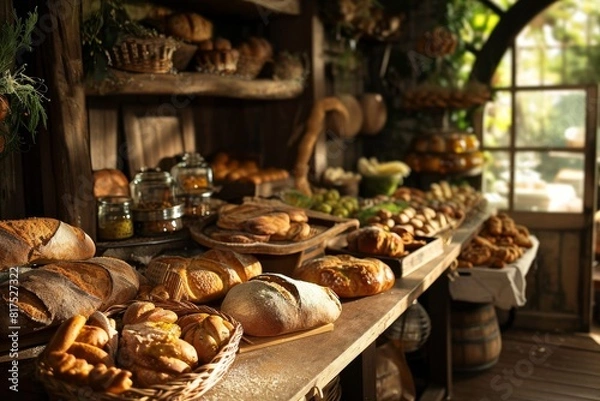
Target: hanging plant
x,y
21,96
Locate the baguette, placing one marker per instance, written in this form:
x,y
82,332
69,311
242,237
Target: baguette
x,y
53,293
272,304
41,240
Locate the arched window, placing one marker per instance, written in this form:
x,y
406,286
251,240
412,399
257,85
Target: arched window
x,y
545,100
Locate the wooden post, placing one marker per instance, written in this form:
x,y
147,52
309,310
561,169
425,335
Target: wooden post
x,y
71,168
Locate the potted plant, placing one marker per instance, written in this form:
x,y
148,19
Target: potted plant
x,y
21,98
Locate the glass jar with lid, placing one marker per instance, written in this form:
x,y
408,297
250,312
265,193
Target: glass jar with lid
x,y
114,218
193,178
152,189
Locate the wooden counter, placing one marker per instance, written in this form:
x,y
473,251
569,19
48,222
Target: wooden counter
x,y
297,369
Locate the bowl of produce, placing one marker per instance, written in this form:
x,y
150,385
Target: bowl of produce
x,y
380,178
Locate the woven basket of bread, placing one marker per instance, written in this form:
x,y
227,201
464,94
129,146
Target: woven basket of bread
x,y
149,55
184,386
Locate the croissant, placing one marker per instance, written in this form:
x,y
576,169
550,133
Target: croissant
x,y
375,241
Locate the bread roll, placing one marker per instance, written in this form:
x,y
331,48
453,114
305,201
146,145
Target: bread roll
x,y
207,333
375,241
53,293
41,240
191,27
203,278
272,304
110,182
153,351
348,276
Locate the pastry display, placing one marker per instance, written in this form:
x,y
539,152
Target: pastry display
x,y
500,242
256,222
347,276
272,304
229,168
147,345
445,153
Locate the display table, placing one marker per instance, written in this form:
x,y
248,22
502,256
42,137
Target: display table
x,y
505,287
298,369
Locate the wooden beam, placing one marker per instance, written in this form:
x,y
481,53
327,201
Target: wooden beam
x,y
511,23
69,138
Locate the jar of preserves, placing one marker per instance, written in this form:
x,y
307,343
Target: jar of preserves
x,y
152,222
152,189
193,178
114,218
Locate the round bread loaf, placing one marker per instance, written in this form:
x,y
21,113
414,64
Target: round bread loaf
x,y
348,276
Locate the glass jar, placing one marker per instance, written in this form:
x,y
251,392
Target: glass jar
x,y
152,189
114,218
159,221
193,178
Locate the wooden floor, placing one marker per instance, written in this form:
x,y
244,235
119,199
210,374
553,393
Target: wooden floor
x,y
536,366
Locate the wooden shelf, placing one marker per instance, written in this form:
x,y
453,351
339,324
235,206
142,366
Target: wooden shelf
x,y
192,83
244,8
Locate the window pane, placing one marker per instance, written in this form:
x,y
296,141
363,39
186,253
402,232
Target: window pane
x,y
554,118
548,182
496,179
497,121
529,66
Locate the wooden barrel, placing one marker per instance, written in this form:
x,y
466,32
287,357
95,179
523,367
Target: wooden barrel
x,y
476,339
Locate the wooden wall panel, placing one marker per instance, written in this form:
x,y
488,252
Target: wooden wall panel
x,y
103,121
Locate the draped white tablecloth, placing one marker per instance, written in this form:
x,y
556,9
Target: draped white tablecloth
x,y
504,287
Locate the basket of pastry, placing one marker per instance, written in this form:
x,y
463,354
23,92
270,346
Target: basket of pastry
x,y
500,242
138,351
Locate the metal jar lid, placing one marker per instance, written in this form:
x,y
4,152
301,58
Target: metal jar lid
x,y
168,213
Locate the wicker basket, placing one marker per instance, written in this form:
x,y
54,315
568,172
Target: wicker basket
x,y
149,55
187,386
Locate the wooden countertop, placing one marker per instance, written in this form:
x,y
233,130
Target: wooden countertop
x,y
292,370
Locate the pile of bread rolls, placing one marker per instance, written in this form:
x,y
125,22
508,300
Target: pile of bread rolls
x,y
151,345
500,242
228,168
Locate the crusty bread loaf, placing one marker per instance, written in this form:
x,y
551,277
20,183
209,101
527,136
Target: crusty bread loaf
x,y
53,293
375,241
110,182
191,27
206,332
41,240
347,276
272,304
203,278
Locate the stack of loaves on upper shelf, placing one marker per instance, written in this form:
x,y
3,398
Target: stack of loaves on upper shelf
x,y
203,51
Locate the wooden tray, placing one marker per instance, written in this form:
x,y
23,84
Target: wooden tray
x,y
280,256
401,267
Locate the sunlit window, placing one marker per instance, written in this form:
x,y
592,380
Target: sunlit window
x,y
533,131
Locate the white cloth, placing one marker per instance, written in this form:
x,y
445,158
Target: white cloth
x,y
504,287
